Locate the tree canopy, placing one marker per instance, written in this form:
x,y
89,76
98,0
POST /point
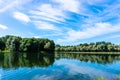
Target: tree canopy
x,y
90,47
16,43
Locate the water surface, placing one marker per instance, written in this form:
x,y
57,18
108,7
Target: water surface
x,y
58,66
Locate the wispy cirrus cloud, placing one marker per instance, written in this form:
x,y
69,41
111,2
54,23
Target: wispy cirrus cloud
x,y
7,5
3,27
102,19
21,16
45,26
89,32
69,5
73,20
44,15
49,13
95,24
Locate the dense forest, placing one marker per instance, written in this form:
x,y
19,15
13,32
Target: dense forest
x,y
16,43
91,47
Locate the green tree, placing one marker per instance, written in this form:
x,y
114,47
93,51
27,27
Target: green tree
x,y
91,47
13,43
47,46
2,44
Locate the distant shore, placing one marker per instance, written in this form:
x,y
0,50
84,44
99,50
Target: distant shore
x,y
89,52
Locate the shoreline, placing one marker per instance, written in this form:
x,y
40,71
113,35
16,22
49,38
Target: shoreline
x,y
89,52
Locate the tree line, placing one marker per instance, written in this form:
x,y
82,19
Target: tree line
x,y
16,43
90,47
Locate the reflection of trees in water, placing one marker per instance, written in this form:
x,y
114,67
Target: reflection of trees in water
x,y
43,59
99,58
15,60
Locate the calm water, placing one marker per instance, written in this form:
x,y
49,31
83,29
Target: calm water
x,y
58,66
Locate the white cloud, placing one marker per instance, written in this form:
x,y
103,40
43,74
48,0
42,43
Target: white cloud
x,y
69,5
49,13
43,15
89,32
37,37
8,4
3,27
22,17
45,26
1,1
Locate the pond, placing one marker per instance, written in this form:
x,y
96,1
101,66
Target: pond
x,y
59,66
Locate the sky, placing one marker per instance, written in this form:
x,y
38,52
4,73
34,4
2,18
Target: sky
x,y
67,22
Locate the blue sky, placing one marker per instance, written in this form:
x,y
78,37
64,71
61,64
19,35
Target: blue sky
x,y
67,22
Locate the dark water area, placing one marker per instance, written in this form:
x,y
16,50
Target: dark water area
x,y
59,66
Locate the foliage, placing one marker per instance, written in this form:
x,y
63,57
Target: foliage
x,y
2,44
91,47
16,43
13,43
